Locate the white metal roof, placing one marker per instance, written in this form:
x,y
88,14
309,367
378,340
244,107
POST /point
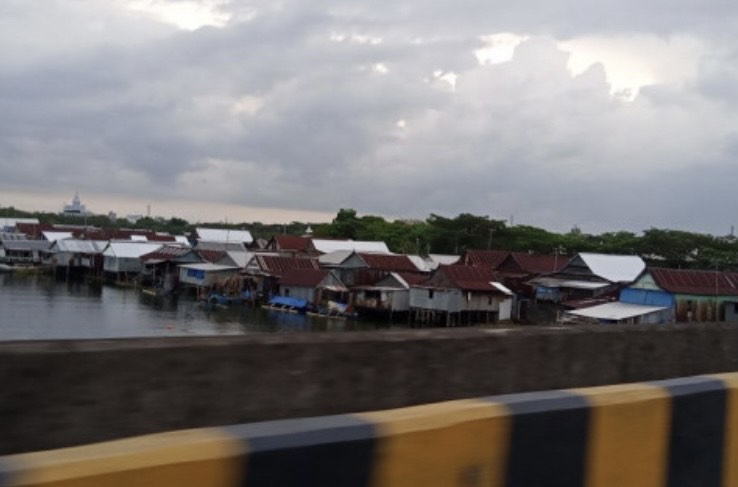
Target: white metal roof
x,y
335,258
206,266
11,222
55,236
224,235
327,246
500,287
74,246
568,283
444,259
422,264
616,311
181,239
614,268
130,250
240,258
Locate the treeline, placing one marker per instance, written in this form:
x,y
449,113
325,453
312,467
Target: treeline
x,y
443,235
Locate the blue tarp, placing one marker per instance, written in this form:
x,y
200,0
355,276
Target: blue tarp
x,y
287,301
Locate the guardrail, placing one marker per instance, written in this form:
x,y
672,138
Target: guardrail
x,y
679,432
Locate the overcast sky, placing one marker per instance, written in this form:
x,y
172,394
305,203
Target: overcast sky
x,y
608,115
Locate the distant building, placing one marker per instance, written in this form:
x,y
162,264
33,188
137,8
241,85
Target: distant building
x,y
76,208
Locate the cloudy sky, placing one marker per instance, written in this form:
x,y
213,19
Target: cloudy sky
x,y
607,115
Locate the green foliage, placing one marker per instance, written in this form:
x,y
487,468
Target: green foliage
x,y
454,235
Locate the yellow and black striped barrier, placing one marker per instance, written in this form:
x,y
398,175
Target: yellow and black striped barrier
x,y
680,432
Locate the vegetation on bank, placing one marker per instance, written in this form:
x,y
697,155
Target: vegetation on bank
x,y
443,235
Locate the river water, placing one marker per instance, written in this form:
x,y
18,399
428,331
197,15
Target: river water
x,y
41,308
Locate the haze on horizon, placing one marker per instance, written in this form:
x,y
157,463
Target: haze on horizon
x,y
606,115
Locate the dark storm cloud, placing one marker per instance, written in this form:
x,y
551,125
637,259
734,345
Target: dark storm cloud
x,y
321,105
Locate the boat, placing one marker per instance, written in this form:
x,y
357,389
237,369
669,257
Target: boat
x,y
333,309
287,304
6,268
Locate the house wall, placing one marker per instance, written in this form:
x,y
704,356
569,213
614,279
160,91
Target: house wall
x,y
198,277
690,307
646,282
441,299
111,264
299,292
505,309
731,310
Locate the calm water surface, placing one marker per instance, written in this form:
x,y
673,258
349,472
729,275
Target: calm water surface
x,y
38,307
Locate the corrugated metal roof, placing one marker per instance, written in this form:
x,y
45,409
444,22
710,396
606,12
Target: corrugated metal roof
x,y
220,246
470,278
55,236
241,259
182,240
74,246
434,260
500,287
539,263
292,242
303,277
278,265
130,250
224,235
337,257
326,246
614,268
422,264
615,311
568,283
705,283
12,222
166,253
21,245
211,255
388,262
207,266
487,258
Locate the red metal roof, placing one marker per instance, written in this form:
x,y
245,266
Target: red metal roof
x,y
538,263
278,265
292,242
389,263
303,277
487,258
167,253
211,256
685,281
470,278
413,279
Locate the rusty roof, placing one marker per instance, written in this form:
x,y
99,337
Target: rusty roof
x,y
685,281
211,256
390,263
487,258
303,277
539,263
292,242
412,278
470,278
278,265
167,253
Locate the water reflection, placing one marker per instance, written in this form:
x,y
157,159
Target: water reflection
x,y
38,307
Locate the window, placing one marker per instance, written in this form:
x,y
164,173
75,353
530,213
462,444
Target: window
x,y
430,293
286,291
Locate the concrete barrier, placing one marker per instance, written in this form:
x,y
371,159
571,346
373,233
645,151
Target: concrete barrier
x,y
65,393
679,432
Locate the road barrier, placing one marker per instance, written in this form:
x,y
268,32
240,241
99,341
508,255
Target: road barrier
x,y
678,432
